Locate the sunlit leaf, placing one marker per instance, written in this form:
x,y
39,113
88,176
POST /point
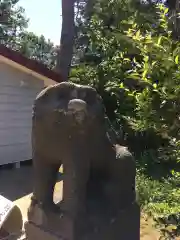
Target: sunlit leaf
x,y
166,10
171,228
155,85
177,59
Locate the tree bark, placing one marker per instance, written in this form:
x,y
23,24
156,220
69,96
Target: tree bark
x,y
65,52
174,8
171,4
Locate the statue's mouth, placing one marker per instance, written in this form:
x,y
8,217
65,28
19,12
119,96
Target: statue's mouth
x,y
80,117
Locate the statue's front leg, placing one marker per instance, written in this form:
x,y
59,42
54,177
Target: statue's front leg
x,y
76,173
45,177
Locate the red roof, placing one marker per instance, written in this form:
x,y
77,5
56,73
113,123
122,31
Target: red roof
x,y
29,63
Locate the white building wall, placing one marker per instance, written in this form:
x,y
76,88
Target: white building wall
x,y
17,93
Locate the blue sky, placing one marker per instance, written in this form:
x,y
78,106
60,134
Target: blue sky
x,y
45,17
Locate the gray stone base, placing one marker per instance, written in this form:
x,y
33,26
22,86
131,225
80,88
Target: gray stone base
x,y
35,232
96,226
124,225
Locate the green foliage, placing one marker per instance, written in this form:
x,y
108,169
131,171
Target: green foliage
x,y
157,105
131,58
12,22
161,200
128,53
36,47
13,34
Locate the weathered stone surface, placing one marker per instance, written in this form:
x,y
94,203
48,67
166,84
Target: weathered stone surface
x,y
69,128
37,232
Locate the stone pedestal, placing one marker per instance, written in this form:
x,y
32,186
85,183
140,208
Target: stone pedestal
x,y
98,224
54,224
124,225
36,232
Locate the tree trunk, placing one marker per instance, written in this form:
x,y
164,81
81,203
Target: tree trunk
x,y
171,4
177,21
65,52
174,8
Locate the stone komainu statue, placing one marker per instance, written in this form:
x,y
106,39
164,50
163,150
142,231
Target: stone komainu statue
x,y
69,128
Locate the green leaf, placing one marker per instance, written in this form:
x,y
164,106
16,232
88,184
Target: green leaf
x,y
155,85
146,66
177,59
146,58
148,41
153,63
138,35
171,228
159,40
121,85
166,10
127,59
134,76
145,73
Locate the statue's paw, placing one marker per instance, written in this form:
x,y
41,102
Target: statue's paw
x,y
35,214
39,212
